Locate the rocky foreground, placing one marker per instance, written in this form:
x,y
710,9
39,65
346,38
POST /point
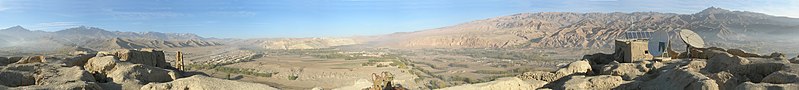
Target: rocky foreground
x,y
708,69
117,70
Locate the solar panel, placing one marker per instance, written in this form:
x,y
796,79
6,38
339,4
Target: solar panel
x,y
638,34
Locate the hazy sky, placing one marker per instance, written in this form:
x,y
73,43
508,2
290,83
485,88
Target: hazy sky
x,y
328,18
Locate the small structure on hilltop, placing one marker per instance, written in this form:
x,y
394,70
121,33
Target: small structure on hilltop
x,y
633,46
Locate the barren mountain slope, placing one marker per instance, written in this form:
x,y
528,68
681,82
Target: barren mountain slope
x,y
589,30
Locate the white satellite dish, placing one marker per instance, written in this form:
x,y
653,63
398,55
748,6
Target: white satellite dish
x,y
692,39
659,43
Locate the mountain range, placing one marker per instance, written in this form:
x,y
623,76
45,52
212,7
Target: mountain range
x,y
592,30
93,38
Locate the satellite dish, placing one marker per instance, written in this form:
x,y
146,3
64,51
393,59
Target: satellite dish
x,y
658,43
691,38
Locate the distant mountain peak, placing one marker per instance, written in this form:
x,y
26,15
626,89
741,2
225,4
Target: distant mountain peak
x,y
15,28
84,29
714,10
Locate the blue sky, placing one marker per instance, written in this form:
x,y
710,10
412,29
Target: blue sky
x,y
323,18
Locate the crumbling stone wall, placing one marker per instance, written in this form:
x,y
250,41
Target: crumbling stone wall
x,y
149,57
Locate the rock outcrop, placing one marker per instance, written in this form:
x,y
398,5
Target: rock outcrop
x,y
601,82
508,83
58,76
680,79
101,65
742,53
628,71
723,61
78,85
767,86
78,60
199,82
132,76
726,80
578,67
133,72
32,59
16,78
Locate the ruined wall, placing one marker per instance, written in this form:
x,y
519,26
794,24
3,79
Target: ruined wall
x,y
146,56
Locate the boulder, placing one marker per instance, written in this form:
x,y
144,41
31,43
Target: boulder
x,y
756,72
767,86
723,61
32,67
199,82
601,82
148,57
79,60
695,66
32,59
599,58
576,67
78,85
63,75
143,74
777,56
539,75
781,77
100,65
16,78
680,79
726,80
742,53
628,71
508,83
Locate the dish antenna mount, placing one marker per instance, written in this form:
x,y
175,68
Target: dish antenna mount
x,y
659,44
692,40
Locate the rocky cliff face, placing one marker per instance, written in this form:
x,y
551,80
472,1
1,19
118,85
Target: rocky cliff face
x,y
590,30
